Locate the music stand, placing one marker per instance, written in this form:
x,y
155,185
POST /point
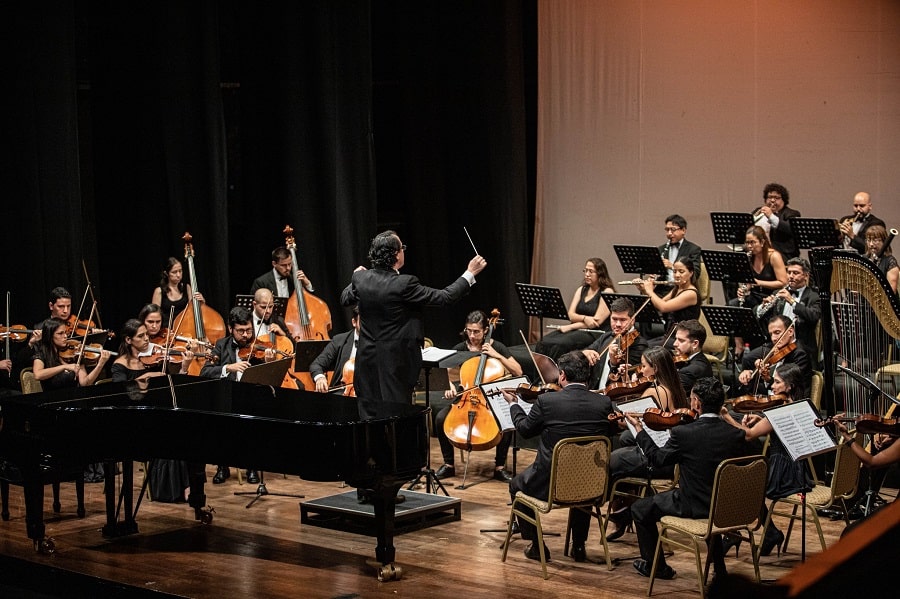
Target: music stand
x,y
730,227
648,315
641,259
246,301
541,301
305,353
815,232
728,267
732,321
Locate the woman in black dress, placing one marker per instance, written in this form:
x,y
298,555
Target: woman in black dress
x,y
172,292
682,302
52,370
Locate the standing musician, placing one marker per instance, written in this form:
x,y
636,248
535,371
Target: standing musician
x,y
799,302
226,363
758,365
876,237
682,302
587,311
172,290
690,336
340,350
854,226
677,248
777,215
474,333
53,370
698,448
573,412
278,280
605,355
390,336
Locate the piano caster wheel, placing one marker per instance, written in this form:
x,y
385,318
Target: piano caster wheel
x,y
389,572
46,546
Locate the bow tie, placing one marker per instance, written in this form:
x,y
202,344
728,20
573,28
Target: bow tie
x,y
860,218
282,278
674,246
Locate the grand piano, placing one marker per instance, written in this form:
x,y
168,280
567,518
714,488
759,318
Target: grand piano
x,y
317,437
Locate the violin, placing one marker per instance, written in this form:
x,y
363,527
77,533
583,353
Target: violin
x,y
658,420
866,424
757,403
626,388
16,332
470,424
258,349
530,393
622,342
173,354
79,327
779,354
88,353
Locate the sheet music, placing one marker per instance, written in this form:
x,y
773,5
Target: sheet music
x,y
435,354
499,406
641,405
794,423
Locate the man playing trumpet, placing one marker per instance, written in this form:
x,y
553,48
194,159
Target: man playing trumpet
x,y
853,227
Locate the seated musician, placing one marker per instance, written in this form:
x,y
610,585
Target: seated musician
x,y
51,366
682,302
798,301
607,356
340,350
227,363
691,362
474,333
278,280
756,376
876,237
572,412
60,304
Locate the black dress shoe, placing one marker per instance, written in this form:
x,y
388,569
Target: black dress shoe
x,y
445,471
502,475
771,540
578,553
622,520
222,473
252,477
534,552
729,541
643,567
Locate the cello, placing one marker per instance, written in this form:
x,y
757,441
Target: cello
x,y
470,424
307,316
197,320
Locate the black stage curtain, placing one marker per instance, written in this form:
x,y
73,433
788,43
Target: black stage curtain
x,y
128,125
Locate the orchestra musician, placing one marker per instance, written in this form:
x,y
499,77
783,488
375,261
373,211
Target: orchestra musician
x,y
876,237
605,355
682,302
854,226
60,304
573,412
698,448
776,213
474,332
756,376
226,363
587,311
172,290
52,370
278,280
799,302
265,321
390,338
677,248
690,336
341,349
152,317
786,476
885,452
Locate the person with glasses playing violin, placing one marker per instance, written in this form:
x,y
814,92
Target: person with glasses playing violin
x,y
616,350
53,369
474,333
758,365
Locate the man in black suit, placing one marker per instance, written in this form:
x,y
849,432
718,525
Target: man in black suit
x,y
756,376
677,247
605,355
573,412
690,336
776,212
698,448
278,280
853,226
340,350
798,301
390,338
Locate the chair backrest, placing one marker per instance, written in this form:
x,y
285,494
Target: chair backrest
x,y
815,389
28,382
580,470
846,472
715,345
739,490
703,283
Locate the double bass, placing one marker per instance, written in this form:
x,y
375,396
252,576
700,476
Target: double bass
x,y
197,320
307,316
470,424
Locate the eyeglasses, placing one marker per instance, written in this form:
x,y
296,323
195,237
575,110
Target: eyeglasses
x,y
473,331
672,229
773,196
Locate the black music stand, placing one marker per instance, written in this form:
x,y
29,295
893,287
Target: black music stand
x,y
730,227
246,301
649,315
731,322
816,232
728,267
541,301
306,352
641,259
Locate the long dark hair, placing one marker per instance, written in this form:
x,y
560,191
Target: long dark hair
x,y
603,279
660,359
164,280
46,350
793,377
129,330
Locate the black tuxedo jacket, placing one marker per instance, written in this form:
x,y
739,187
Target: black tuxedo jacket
x,y
807,314
858,242
268,281
572,412
635,351
333,357
697,448
695,368
226,351
782,237
798,357
687,251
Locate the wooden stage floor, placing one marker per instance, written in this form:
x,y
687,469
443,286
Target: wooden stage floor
x,y
264,551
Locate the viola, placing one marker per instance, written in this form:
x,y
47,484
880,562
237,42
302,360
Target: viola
x,y
680,358
658,420
16,332
757,403
470,424
867,424
79,327
623,389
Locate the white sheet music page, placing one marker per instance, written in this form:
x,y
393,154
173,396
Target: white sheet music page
x,y
499,405
436,354
639,406
794,423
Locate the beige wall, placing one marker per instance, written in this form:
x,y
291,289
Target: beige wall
x,y
649,107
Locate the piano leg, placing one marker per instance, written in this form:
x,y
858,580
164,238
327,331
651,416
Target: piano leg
x,y
34,511
383,501
129,526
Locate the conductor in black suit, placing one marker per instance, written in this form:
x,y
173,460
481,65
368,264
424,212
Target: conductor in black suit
x,y
605,356
677,248
698,448
690,336
278,280
340,350
390,337
573,412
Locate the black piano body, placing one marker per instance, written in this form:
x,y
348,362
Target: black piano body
x,y
315,436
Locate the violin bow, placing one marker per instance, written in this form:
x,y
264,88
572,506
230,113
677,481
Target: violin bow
x,y
8,325
84,338
90,288
771,352
78,314
531,355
